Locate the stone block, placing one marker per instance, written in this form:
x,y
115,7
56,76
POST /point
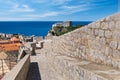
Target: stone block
x,y
104,25
108,40
102,41
93,77
101,33
96,32
119,45
87,75
108,34
119,64
117,25
108,61
89,31
113,44
111,25
96,25
108,51
116,35
116,54
114,63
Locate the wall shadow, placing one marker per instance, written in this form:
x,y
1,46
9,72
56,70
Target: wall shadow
x,y
33,53
34,73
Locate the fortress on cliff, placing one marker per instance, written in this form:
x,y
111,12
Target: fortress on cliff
x,y
64,24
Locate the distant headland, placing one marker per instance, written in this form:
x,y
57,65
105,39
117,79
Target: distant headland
x,y
28,28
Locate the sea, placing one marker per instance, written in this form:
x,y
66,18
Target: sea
x,y
28,28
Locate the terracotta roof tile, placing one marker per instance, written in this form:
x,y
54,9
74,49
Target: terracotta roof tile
x,y
10,45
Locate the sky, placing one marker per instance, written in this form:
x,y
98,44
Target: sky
x,y
56,10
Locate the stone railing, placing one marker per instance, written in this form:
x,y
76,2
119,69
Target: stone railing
x,y
19,72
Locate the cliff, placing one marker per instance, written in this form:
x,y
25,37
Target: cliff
x,y
60,30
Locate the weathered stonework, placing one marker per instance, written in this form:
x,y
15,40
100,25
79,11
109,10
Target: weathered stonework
x,y
111,25
108,34
119,45
100,39
117,26
104,25
101,33
113,44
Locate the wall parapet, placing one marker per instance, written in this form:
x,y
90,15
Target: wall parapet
x,y
19,72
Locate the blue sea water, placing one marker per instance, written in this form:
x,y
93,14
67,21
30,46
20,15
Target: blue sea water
x,y
38,28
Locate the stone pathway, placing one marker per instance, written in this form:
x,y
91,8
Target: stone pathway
x,y
40,68
43,67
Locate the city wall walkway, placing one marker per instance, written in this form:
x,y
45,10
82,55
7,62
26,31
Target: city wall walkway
x,y
41,69
61,67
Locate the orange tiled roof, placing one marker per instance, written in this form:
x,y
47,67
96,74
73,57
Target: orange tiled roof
x,y
10,41
10,46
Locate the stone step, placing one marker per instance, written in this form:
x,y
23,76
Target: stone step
x,y
60,67
87,70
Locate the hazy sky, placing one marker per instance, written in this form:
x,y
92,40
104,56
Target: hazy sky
x,y
56,10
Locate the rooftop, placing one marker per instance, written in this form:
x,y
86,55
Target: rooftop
x,y
10,45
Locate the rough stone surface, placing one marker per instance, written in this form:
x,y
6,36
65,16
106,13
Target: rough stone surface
x,y
94,42
113,44
108,34
118,25
116,35
101,33
118,45
59,67
104,25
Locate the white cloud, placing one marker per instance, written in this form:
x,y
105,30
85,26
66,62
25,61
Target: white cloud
x,y
56,13
49,8
74,6
14,6
49,14
65,10
21,8
52,2
14,19
78,10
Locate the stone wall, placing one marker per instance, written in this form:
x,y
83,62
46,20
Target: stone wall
x,y
68,68
61,66
19,72
98,42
